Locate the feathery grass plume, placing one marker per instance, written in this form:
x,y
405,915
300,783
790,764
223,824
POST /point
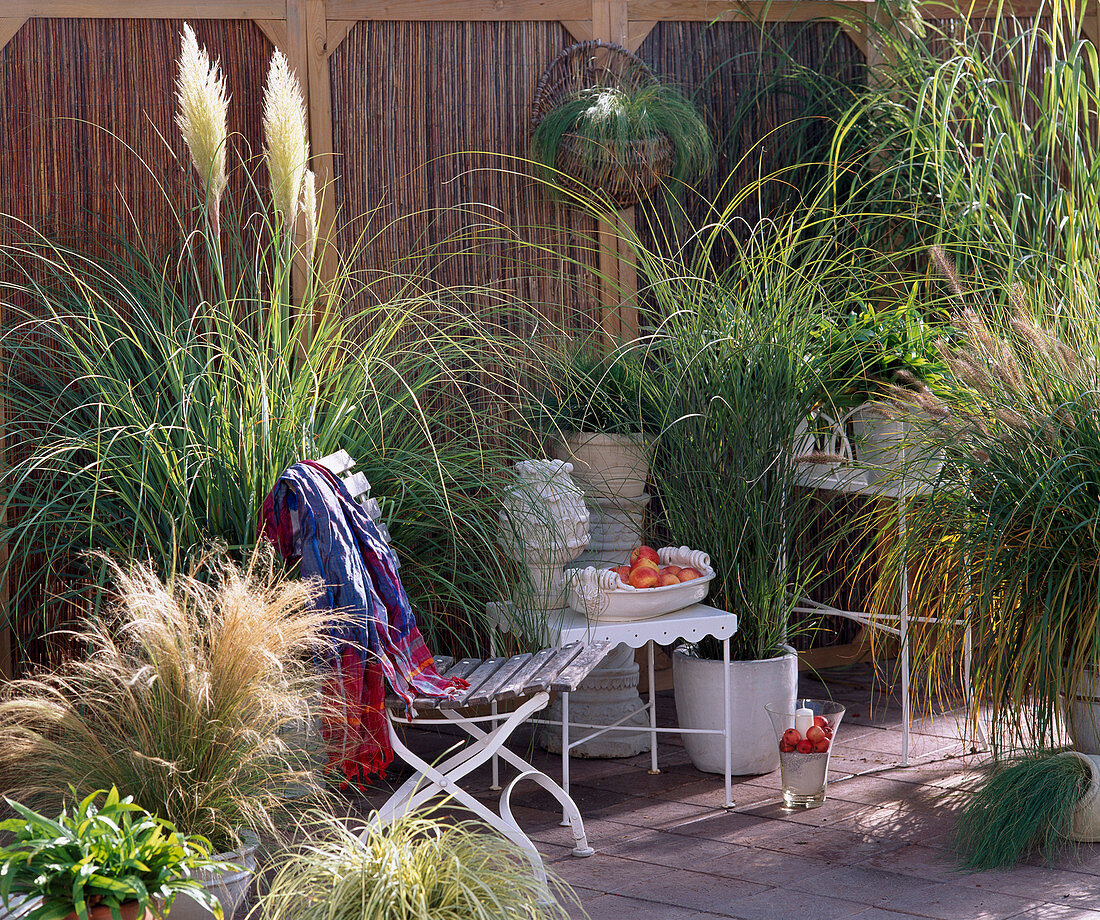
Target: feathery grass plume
x,y
201,117
285,138
1024,807
309,209
192,698
419,867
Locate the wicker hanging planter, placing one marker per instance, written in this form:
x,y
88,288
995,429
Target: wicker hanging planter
x,y
594,74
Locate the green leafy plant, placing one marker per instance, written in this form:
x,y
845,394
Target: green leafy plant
x,y
865,353
417,867
584,391
607,120
1023,807
190,698
101,855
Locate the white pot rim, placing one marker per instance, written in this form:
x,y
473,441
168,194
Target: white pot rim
x,y
788,652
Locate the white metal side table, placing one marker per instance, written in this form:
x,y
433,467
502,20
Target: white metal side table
x,y
690,624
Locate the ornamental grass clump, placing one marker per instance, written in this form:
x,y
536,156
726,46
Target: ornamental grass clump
x,y
1022,808
157,396
191,698
417,867
1008,544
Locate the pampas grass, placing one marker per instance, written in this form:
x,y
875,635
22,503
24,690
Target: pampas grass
x,y
1024,807
415,868
285,140
202,105
187,700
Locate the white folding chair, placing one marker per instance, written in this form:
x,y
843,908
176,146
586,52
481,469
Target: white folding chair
x,y
529,678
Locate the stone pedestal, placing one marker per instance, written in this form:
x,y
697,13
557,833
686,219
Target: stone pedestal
x,y
605,696
614,528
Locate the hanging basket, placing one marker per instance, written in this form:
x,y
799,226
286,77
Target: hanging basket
x,y
626,173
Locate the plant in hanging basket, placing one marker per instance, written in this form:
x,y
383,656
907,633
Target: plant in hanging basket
x,y
616,128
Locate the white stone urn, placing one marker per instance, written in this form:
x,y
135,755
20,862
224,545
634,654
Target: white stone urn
x,y
543,526
698,686
228,887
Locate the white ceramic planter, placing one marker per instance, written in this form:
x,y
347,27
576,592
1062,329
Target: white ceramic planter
x,y
607,465
879,437
698,688
228,887
1086,816
1083,715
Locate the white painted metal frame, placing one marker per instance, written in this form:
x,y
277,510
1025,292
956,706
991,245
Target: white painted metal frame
x,y
848,477
444,777
691,624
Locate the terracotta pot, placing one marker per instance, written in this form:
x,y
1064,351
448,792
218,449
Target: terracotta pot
x,y
130,910
606,465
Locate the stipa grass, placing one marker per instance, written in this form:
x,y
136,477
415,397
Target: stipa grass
x,y
1024,807
191,698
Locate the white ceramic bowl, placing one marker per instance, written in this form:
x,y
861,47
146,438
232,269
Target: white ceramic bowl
x,y
603,597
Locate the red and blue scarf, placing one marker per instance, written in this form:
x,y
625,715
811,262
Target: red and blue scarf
x,y
310,515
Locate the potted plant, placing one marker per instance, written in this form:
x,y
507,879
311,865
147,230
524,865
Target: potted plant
x,y
110,860
595,411
606,123
189,698
728,367
865,357
417,867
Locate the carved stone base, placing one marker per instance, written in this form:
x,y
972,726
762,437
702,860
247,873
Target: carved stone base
x,y
615,527
606,695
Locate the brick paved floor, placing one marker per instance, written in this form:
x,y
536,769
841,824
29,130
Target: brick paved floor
x,y
878,848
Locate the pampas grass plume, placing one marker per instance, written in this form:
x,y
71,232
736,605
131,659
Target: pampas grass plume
x,y
202,105
309,209
287,148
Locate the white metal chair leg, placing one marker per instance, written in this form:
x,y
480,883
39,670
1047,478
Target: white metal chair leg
x,y
495,786
904,650
653,768
576,823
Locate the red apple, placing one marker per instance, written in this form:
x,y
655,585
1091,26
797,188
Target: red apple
x,y
644,563
672,569
822,746
816,733
805,747
689,573
643,576
623,571
785,748
791,737
645,552
821,722
664,579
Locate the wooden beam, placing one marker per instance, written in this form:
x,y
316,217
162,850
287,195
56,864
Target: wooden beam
x,y
637,31
9,28
322,38
708,10
581,30
472,10
276,32
146,9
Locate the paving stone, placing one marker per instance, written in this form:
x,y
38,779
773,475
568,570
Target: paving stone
x,y
695,891
767,867
616,907
864,885
774,904
946,901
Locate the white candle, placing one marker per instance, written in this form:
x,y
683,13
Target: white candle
x,y
803,721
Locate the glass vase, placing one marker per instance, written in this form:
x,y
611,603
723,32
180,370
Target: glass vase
x,y
805,731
